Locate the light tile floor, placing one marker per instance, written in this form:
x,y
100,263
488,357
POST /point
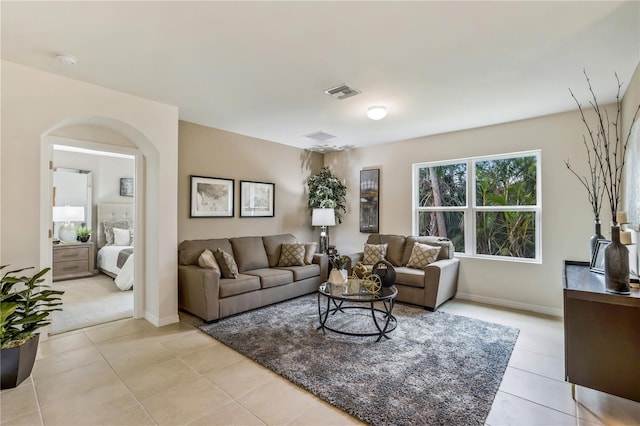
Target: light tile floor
x,y
131,373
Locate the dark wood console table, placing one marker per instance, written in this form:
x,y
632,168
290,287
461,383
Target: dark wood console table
x,y
601,334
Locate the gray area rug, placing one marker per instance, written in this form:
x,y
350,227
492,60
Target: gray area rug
x,y
437,368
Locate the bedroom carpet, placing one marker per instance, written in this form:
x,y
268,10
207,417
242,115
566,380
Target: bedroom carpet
x,y
90,301
437,368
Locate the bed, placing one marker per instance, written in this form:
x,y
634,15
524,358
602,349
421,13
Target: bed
x,y
115,243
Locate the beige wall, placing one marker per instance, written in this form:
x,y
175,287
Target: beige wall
x,y
36,103
204,151
567,221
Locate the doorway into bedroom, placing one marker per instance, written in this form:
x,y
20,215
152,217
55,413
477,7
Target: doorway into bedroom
x,y
93,199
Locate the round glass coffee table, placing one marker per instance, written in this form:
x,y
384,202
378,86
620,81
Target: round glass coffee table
x,y
341,298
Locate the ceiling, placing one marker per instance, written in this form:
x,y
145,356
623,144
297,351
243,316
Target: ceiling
x,y
260,68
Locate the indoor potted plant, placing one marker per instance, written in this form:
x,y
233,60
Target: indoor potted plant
x,y
83,233
24,308
339,274
326,191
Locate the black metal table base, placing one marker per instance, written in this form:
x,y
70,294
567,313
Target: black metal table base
x,y
389,320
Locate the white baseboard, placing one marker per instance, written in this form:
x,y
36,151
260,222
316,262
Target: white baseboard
x,y
159,322
511,304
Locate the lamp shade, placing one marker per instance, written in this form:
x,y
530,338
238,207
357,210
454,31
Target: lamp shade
x,y
323,217
68,214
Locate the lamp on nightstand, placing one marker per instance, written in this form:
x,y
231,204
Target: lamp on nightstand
x,y
323,218
68,215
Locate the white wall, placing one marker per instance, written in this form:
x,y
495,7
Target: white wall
x,y
567,220
37,103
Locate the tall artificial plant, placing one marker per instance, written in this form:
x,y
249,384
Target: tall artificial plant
x,y
326,191
606,150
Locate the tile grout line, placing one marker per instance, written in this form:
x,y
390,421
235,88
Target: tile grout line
x,y
542,405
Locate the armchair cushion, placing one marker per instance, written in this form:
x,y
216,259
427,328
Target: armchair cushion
x,y
422,255
395,248
374,253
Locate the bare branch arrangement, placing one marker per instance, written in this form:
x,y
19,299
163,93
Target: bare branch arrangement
x,y
606,152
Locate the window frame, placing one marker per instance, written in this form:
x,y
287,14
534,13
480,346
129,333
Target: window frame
x,y
470,208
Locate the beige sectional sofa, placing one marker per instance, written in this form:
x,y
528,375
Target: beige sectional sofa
x,y
260,282
429,287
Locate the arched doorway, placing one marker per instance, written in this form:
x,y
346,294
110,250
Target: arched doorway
x,y
128,140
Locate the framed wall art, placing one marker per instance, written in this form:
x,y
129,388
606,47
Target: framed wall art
x,y
257,199
369,195
211,197
126,187
597,261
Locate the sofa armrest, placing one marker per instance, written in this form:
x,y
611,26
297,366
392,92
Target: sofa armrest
x,y
198,291
441,281
322,260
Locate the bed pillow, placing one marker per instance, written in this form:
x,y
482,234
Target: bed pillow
x,y
227,264
108,226
309,250
208,260
292,255
422,255
374,253
121,237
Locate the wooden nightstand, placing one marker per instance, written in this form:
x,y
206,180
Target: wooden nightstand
x,y
72,261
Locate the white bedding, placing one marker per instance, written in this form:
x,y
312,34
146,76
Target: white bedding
x,y
108,261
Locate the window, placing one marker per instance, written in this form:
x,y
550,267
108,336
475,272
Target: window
x,y
487,206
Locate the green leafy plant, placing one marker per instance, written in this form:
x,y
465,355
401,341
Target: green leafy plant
x,y
25,306
83,231
341,262
326,191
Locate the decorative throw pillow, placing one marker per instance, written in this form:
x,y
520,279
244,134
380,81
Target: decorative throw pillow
x,y
121,237
227,264
108,226
292,255
309,250
422,255
374,252
208,260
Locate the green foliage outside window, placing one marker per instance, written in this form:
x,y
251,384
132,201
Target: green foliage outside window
x,y
502,188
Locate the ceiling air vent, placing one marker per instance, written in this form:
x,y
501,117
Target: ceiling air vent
x,y
341,92
319,136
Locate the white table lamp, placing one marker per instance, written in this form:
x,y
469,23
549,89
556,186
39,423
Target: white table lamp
x,y
323,218
67,215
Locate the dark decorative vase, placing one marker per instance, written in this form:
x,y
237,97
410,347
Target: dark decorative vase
x,y
17,363
84,238
594,239
385,271
616,264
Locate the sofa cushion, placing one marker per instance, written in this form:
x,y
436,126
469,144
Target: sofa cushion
x,y
395,248
304,272
272,245
242,284
228,266
373,253
422,255
208,260
309,250
272,277
249,253
292,255
410,276
190,250
446,252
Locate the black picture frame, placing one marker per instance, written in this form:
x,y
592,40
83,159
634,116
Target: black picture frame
x,y
597,261
257,199
369,200
126,187
211,197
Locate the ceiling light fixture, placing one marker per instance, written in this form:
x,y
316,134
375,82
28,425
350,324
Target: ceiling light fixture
x,y
377,112
65,59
